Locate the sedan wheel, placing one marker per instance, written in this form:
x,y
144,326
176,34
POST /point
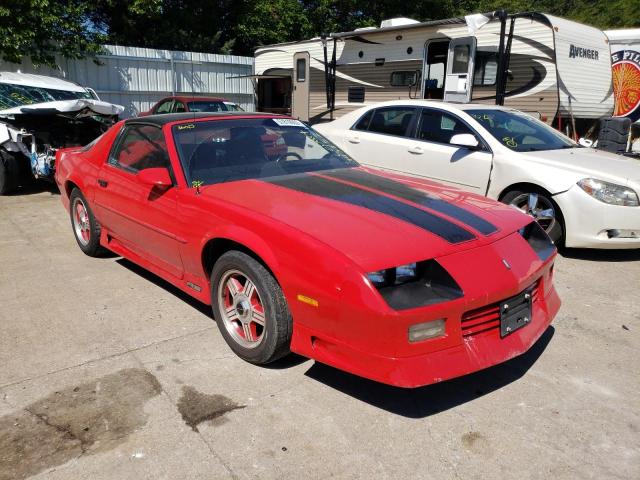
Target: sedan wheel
x,y
541,208
250,308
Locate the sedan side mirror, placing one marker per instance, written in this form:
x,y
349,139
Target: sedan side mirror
x,y
156,177
465,140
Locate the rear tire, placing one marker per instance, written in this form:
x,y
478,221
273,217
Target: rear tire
x,y
86,228
250,308
545,211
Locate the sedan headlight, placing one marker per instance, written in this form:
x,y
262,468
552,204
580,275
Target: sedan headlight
x,y
415,285
609,192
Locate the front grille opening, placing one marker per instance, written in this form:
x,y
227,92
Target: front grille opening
x,y
486,319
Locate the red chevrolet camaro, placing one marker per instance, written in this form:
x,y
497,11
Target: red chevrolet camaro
x,y
300,249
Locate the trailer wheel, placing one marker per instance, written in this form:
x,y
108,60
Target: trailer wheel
x,y
9,172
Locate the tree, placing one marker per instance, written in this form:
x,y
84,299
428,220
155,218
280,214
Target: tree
x,y
41,28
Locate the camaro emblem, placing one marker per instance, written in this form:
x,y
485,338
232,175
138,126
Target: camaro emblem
x,y
506,264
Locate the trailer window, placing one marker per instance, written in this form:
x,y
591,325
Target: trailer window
x,y
404,78
301,69
460,59
486,69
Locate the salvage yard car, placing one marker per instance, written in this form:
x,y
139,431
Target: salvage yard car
x,y
181,104
403,281
40,114
582,197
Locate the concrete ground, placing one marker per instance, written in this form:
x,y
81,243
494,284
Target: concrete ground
x,y
107,372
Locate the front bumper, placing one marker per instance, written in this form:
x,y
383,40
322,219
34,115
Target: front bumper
x,y
475,353
589,222
375,345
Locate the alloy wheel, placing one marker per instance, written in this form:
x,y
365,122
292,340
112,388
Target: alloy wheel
x,y
539,207
241,309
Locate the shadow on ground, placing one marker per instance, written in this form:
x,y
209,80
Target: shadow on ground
x,y
36,187
425,401
593,255
153,278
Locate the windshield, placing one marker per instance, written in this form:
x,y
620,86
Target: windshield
x,y
519,131
218,151
205,106
12,95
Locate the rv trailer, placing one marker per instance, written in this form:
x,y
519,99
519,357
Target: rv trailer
x,y
555,69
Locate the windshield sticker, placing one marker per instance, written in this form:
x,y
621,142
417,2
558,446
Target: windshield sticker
x,y
288,122
510,142
188,126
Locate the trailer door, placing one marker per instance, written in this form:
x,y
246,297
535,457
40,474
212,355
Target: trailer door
x,y
301,86
459,80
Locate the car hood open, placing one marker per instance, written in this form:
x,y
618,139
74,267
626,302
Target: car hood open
x,y
377,220
83,106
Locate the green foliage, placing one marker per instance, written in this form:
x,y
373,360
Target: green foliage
x,y
42,28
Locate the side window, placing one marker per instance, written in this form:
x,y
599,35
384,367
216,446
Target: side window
x,y
392,121
438,126
179,107
140,147
165,107
363,123
301,69
405,78
486,69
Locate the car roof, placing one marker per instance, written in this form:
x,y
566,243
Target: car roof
x,y
165,118
190,98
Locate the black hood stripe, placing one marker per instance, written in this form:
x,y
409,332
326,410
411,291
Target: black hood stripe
x,y
400,190
323,187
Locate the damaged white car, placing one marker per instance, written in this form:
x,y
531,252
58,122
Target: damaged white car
x,y
40,114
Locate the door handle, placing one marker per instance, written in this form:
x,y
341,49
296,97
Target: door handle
x,y
416,150
103,183
354,139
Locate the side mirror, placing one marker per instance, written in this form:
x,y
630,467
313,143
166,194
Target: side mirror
x,y
156,177
465,140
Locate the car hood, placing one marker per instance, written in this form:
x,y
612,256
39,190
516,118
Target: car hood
x,y
590,162
84,107
377,220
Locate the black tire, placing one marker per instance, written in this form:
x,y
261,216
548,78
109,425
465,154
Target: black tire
x,y
555,230
276,333
90,244
9,172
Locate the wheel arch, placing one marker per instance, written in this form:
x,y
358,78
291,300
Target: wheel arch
x,y
524,187
215,247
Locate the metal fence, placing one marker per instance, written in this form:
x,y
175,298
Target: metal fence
x,y
138,77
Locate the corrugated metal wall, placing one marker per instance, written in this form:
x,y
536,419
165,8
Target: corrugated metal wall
x,y
138,77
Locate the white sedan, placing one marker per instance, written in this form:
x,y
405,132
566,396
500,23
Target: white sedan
x,y
581,196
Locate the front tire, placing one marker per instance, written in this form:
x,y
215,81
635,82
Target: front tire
x,y
540,206
86,228
250,308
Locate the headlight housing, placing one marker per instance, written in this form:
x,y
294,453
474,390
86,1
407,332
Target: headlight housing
x,y
609,192
538,240
415,285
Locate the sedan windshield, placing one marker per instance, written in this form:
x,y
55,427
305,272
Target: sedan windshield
x,y
12,95
519,131
219,151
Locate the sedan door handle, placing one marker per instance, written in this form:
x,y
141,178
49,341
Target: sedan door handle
x,y
354,139
103,183
416,150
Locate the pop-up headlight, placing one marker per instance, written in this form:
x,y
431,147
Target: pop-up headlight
x,y
415,285
538,239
